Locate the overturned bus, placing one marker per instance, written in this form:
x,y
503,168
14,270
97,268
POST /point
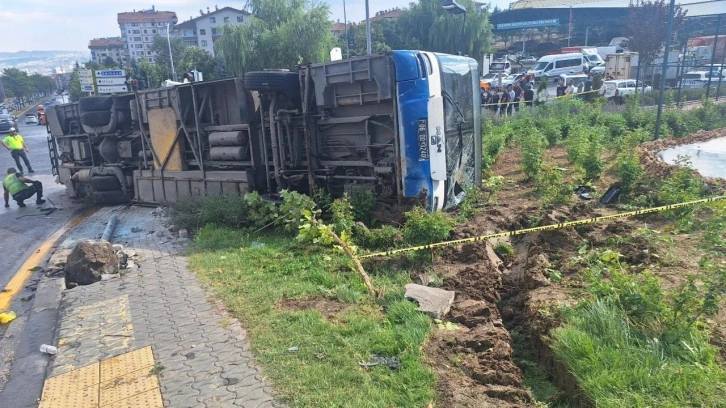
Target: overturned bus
x,y
404,124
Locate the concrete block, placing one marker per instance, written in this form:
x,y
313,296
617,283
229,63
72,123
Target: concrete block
x,y
433,301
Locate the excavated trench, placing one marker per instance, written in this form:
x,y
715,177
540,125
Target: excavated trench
x,y
506,303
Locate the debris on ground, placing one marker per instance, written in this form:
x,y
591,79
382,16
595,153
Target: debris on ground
x,y
380,360
433,301
89,260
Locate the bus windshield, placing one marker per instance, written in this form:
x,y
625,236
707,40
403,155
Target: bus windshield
x,y
460,93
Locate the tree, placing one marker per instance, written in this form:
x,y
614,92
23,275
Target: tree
x,y
195,58
16,82
280,34
646,28
384,37
428,27
163,61
150,74
109,62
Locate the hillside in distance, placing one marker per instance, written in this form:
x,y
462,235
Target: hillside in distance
x,y
43,62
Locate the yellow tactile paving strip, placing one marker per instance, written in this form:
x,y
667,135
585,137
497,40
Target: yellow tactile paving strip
x,y
123,381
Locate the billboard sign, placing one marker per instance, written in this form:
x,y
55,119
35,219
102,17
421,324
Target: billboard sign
x,y
529,24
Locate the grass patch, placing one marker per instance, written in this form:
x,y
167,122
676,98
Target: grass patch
x,y
254,280
600,347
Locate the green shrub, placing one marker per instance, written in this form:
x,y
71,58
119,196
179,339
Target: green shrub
x,y
261,213
382,238
192,213
363,202
291,212
629,170
342,215
532,145
323,199
423,227
551,188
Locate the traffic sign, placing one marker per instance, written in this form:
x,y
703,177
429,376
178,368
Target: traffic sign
x,y
110,73
112,89
86,88
86,81
111,81
85,73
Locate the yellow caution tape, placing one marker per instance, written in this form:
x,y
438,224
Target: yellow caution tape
x,y
543,228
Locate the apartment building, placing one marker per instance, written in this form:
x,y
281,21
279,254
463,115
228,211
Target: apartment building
x,y
203,30
103,48
138,29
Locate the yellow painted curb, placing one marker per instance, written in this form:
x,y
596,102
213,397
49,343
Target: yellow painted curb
x,y
26,269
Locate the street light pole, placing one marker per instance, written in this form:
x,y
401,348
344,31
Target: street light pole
x,y
171,57
347,39
369,50
455,8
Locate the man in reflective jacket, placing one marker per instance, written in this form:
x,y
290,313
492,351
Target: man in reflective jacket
x,y
16,145
17,187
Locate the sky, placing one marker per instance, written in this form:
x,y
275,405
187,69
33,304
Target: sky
x,y
68,25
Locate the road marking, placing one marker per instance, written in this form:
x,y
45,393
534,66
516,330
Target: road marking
x,y
26,269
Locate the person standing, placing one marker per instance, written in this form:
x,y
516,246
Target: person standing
x,y
528,94
561,88
570,90
16,145
511,98
17,187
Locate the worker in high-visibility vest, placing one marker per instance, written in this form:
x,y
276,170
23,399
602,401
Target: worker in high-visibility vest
x,y
16,145
17,187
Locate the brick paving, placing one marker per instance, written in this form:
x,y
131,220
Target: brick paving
x,y
203,356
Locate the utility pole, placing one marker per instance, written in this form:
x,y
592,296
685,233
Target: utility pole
x,y
369,50
171,58
347,39
713,57
669,30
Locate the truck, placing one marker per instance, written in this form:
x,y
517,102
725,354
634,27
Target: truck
x,y
405,125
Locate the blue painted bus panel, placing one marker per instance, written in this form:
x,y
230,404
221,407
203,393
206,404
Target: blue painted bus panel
x,y
412,94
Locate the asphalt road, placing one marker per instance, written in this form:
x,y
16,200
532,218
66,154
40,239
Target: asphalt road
x,y
22,231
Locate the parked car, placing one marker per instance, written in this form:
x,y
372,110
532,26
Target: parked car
x,y
598,69
575,78
699,79
501,66
490,79
617,88
31,119
7,121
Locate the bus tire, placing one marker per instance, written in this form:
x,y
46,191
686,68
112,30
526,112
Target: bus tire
x,y
95,103
96,118
271,81
105,183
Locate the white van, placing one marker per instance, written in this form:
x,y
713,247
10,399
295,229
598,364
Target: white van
x,y
552,66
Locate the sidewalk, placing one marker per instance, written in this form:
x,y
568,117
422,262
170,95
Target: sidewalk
x,y
200,353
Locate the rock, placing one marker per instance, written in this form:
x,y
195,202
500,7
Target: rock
x,y
183,233
433,301
89,260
